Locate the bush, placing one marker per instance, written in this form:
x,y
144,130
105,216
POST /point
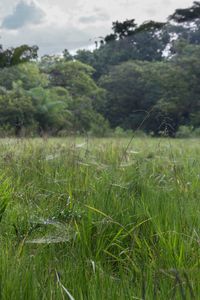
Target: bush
x,y
139,133
7,130
197,132
184,132
100,127
120,132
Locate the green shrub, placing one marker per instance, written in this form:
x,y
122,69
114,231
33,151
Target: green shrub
x,y
197,132
184,132
100,127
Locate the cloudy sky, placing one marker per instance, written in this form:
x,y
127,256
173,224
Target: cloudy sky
x,y
73,24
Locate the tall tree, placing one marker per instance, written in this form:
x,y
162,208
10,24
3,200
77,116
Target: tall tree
x,y
14,56
27,74
187,14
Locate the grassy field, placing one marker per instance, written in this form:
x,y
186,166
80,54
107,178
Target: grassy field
x,y
93,219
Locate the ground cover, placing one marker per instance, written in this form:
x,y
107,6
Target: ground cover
x,y
95,219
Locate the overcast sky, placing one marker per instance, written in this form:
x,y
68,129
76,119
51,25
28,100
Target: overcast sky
x,y
73,24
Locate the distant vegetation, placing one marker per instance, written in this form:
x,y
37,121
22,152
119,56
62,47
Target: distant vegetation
x,y
138,75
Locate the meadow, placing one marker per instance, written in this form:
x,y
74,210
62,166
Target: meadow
x,y
99,219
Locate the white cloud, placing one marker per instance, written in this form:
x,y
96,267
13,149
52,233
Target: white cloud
x,y
55,25
23,14
97,15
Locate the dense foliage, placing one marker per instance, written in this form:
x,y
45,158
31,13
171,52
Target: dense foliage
x,y
53,96
168,91
147,74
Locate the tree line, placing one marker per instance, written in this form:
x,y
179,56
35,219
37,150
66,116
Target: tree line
x,y
144,76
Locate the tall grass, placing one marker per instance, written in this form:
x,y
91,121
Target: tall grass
x,y
87,220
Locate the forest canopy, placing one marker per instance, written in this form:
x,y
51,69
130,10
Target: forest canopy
x,y
137,72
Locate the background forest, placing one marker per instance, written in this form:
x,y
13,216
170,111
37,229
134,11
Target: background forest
x,y
143,77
